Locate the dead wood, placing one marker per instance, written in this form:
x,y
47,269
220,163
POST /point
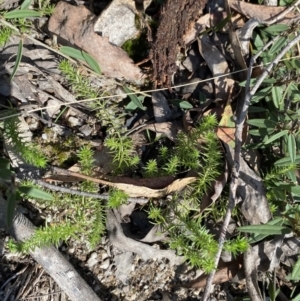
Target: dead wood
x,y
54,263
175,20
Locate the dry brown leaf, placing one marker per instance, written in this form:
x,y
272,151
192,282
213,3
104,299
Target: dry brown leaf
x,y
225,272
153,183
74,24
169,129
218,66
261,12
161,109
226,127
250,192
133,190
215,190
251,275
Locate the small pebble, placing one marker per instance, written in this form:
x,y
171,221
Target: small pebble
x,y
92,260
105,264
86,130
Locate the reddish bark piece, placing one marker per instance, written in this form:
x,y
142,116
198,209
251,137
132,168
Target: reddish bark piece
x,y
75,24
261,12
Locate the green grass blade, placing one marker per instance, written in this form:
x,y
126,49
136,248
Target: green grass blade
x,y
286,161
18,60
292,147
265,229
296,271
91,62
36,193
72,52
134,98
25,5
276,136
21,14
258,237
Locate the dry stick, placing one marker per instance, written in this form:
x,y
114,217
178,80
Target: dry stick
x,y
282,14
238,144
85,194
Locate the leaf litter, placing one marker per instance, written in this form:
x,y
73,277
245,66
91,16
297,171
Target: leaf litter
x,y
39,82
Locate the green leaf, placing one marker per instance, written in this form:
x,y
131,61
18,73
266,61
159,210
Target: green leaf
x,y
292,176
258,237
82,56
292,147
277,45
277,28
262,123
287,161
297,63
297,298
296,271
25,4
134,99
295,190
261,94
293,92
11,204
257,40
277,96
4,164
36,193
252,82
183,104
21,13
6,174
18,60
91,62
131,106
276,136
253,109
72,52
269,81
265,229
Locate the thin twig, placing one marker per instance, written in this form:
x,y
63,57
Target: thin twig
x,y
85,194
282,14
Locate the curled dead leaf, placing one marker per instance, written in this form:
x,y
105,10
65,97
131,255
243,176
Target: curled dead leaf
x,y
261,12
134,190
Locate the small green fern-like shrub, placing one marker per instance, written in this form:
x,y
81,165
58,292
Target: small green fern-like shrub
x,y
120,145
122,149
199,151
82,217
28,151
5,34
79,83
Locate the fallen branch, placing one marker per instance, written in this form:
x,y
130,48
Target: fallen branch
x,y
85,194
53,262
